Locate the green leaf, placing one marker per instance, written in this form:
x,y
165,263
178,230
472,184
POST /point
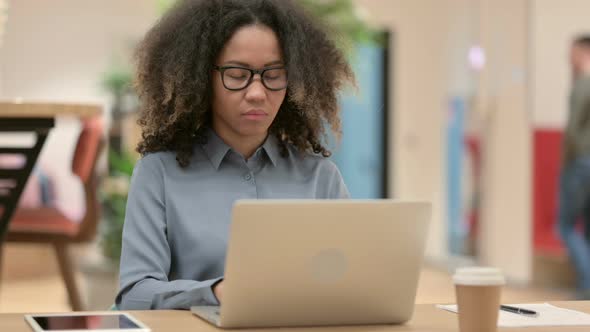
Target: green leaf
x,y
118,79
164,5
342,16
122,163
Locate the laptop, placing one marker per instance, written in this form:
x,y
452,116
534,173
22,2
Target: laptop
x,y
302,263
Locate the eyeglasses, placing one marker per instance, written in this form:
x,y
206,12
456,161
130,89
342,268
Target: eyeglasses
x,y
239,78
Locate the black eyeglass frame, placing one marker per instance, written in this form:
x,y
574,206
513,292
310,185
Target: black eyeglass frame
x,y
222,69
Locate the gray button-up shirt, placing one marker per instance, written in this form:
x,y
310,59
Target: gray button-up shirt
x,y
177,220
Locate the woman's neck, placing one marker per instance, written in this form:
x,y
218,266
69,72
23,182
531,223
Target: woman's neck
x,y
244,145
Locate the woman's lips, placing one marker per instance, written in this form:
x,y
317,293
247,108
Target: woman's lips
x,y
255,115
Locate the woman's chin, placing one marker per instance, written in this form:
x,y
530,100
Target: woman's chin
x,y
254,130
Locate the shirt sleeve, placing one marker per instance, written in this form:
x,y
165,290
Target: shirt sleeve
x,y
145,256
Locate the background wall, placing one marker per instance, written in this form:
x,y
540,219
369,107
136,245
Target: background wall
x,y
504,99
427,71
58,50
418,93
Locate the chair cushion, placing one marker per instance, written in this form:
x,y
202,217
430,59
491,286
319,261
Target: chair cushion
x,y
43,220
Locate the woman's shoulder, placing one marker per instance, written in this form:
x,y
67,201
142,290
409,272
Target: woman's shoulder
x,y
156,161
310,160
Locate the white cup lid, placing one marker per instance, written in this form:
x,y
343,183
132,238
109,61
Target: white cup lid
x,y
478,276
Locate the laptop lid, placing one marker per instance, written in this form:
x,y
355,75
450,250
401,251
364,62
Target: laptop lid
x,y
323,262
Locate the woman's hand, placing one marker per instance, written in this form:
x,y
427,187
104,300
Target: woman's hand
x,y
218,290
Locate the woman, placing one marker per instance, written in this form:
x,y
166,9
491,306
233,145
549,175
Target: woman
x,y
235,96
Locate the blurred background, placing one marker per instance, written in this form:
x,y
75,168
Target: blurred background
x,y
460,102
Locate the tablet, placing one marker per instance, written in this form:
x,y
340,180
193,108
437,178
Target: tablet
x,y
84,322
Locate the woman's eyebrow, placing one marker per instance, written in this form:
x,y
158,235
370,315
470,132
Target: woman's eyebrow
x,y
243,64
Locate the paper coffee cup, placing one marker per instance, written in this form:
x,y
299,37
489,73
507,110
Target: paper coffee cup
x,y
478,291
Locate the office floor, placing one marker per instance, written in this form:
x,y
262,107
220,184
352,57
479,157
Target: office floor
x,y
31,283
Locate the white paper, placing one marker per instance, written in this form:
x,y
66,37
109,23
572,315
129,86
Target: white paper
x,y
548,315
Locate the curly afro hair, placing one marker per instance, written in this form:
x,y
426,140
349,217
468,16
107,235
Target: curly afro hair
x,y
175,58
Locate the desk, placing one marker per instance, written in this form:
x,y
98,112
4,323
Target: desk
x,y
37,118
426,318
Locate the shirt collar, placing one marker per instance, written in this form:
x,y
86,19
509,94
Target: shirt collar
x,y
216,149
271,147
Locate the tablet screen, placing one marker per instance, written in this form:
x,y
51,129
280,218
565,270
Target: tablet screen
x,y
85,322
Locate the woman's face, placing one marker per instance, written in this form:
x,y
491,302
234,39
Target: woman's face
x,y
249,112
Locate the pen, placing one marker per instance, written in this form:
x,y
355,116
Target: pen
x,y
519,311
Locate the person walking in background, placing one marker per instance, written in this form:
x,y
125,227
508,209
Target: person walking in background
x,y
574,191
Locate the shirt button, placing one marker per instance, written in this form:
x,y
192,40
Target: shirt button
x,y
248,177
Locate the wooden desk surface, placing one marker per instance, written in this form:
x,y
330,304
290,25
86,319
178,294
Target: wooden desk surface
x,y
10,109
426,318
